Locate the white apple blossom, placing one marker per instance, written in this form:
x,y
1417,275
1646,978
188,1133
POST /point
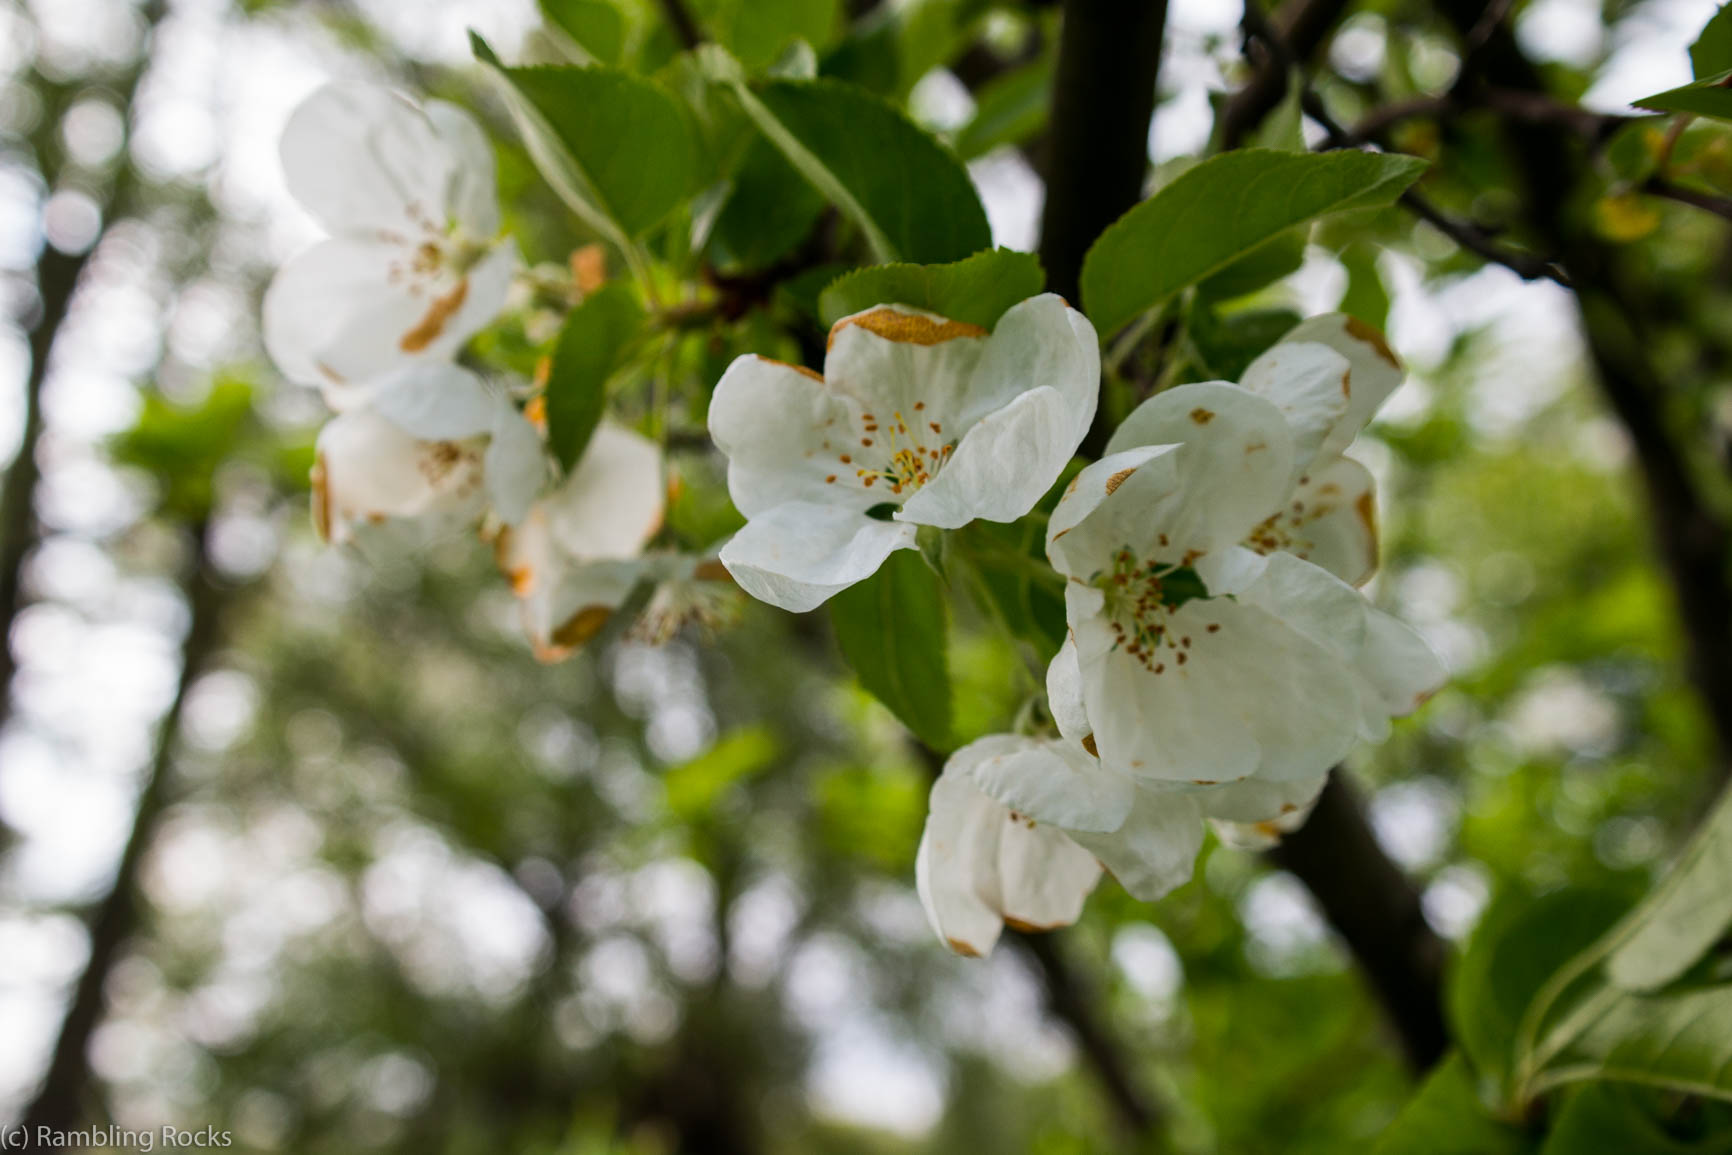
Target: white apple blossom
x,y
1019,827
918,420
578,553
1205,660
431,440
414,265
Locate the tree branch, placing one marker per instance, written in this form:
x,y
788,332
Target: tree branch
x,y
1301,27
1709,202
59,1103
1376,910
1620,323
1103,99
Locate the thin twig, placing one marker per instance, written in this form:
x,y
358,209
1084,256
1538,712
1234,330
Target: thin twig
x,y
1661,187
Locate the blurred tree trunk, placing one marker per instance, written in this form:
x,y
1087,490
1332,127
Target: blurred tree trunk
x,y
61,1102
1621,324
57,278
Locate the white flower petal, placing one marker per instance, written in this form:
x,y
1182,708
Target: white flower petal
x,y
470,198
1044,876
516,463
955,868
1182,724
1333,520
1086,528
1002,466
1308,383
787,435
1376,371
367,469
1040,343
1236,461
435,402
1155,850
904,364
613,502
1254,800
1395,668
1051,782
1064,693
362,158
797,555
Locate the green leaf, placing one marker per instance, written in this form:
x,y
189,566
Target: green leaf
x,y
1284,127
1008,109
1519,944
1680,1041
1229,343
1446,1117
757,31
1708,97
1220,210
908,194
693,788
591,348
621,172
1366,297
595,26
768,213
978,289
1605,1117
1683,916
1711,55
892,630
1262,266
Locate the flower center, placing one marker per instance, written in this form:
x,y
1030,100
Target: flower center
x,y
1141,597
911,462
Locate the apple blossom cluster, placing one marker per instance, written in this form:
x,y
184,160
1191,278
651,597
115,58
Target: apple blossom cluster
x,y
375,315
1219,657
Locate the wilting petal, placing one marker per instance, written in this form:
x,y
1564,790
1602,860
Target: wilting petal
x,y
1376,371
1156,849
1332,521
1253,800
1053,782
613,502
470,197
361,158
799,554
788,437
908,366
1002,466
1308,383
980,867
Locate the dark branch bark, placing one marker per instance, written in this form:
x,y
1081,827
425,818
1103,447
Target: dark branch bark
x,y
57,276
1072,999
1620,324
1103,98
1375,909
1302,26
60,1102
